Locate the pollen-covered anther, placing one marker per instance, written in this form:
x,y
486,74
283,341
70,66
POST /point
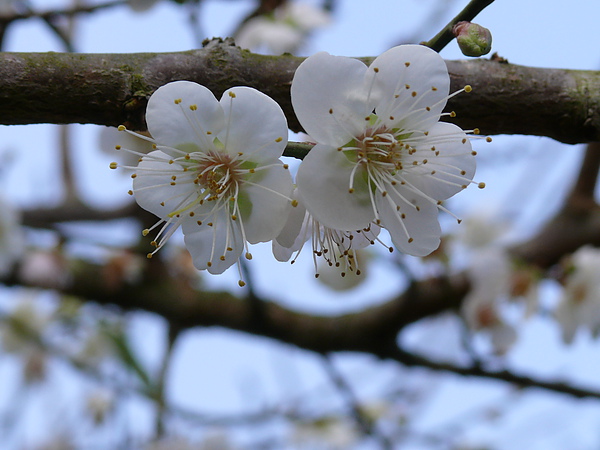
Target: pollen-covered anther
x,y
468,88
121,128
113,165
177,101
294,203
193,107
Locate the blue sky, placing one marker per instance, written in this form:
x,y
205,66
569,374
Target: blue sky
x,y
212,368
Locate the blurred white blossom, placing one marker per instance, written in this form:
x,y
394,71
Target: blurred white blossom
x,y
284,30
580,302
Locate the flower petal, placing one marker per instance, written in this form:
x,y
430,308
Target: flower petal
x,y
448,169
268,200
194,121
207,244
153,186
323,182
328,98
414,231
405,80
254,125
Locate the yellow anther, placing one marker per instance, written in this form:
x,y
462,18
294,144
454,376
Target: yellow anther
x,y
113,165
468,88
145,232
248,255
241,283
232,94
177,101
117,147
481,185
193,107
279,139
294,203
121,128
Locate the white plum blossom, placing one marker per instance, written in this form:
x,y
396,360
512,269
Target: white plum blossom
x,y
382,155
284,30
332,248
580,302
490,277
215,171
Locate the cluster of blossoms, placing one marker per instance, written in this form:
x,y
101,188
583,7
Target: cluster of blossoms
x,y
382,159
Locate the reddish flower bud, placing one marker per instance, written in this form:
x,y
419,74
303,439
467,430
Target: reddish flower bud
x,y
473,39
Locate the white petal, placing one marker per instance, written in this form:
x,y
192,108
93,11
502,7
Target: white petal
x,y
268,203
453,167
208,243
323,181
420,227
293,225
152,186
177,125
328,98
423,71
254,125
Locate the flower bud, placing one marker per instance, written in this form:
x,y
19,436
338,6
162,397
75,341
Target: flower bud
x,y
473,39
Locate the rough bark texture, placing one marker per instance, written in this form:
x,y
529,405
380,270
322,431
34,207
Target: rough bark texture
x,y
112,89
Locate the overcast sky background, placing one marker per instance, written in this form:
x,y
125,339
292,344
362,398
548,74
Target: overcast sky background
x,y
213,369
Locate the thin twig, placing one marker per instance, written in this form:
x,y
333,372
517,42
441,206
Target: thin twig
x,y
161,402
585,185
353,404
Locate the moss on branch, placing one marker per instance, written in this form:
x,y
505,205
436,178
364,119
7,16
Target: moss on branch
x,y
112,89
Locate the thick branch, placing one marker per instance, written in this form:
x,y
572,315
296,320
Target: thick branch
x,y
113,89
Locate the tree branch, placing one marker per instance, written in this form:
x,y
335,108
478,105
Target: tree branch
x,y
112,89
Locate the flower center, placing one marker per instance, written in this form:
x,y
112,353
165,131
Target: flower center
x,y
218,175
